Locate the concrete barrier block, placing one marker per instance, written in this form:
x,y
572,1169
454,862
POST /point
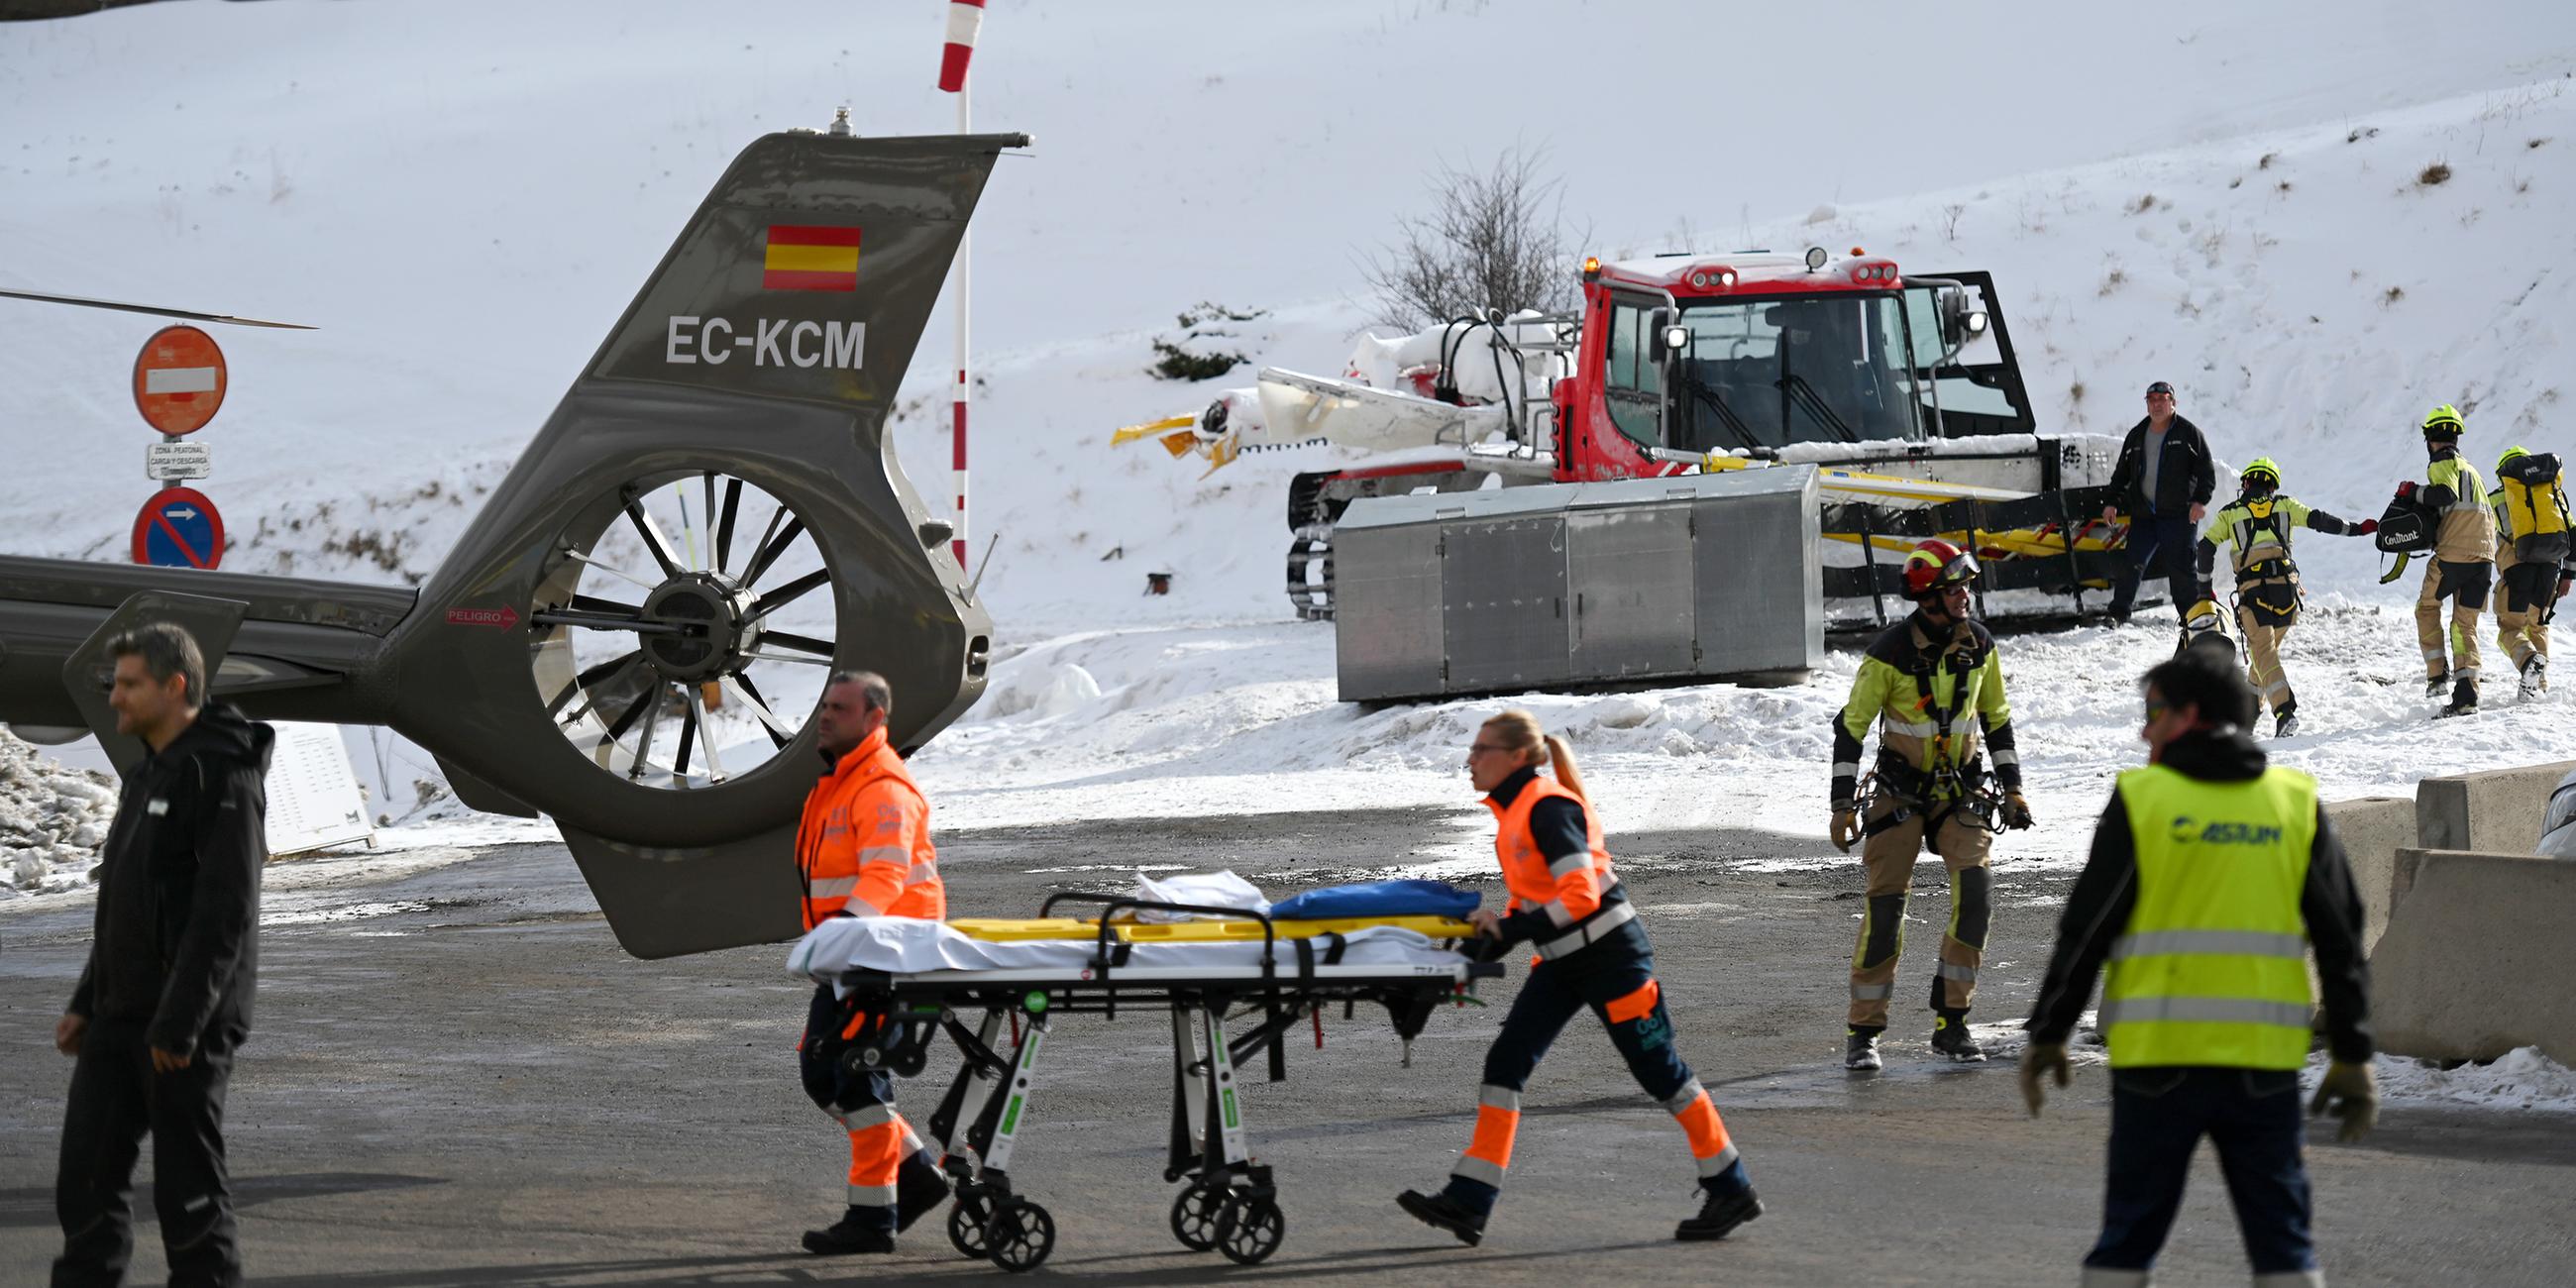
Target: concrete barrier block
x,y
2373,829
2495,812
2473,963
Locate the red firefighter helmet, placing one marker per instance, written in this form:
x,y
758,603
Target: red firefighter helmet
x,y
1936,565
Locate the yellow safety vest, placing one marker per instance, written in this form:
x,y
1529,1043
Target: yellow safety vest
x,y
2212,968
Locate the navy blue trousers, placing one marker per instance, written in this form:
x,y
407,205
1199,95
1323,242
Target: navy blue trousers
x,y
2160,545
2157,1119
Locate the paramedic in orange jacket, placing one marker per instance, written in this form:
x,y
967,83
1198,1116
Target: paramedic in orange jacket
x,y
863,850
1592,952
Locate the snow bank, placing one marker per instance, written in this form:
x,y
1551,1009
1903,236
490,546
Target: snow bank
x,y
52,820
2519,1079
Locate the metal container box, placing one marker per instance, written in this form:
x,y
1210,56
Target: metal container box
x,y
1692,578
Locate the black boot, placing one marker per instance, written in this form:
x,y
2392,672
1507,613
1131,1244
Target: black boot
x,y
1719,1215
1860,1049
1950,1037
2436,685
1444,1212
2285,721
2464,699
919,1189
860,1230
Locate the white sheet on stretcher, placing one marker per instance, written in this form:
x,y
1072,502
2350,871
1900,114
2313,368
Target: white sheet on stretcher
x,y
911,945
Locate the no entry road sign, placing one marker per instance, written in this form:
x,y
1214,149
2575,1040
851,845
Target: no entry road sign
x,y
179,379
179,528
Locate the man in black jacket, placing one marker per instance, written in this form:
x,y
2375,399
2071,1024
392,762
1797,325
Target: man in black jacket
x,y
2163,482
166,994
2211,878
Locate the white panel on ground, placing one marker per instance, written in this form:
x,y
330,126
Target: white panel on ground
x,y
313,799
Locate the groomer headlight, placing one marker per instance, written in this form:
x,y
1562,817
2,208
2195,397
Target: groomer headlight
x,y
1676,338
1975,322
1816,258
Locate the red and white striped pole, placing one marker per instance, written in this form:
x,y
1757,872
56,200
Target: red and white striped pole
x,y
965,22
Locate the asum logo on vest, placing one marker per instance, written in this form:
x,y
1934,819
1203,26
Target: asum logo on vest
x,y
2189,830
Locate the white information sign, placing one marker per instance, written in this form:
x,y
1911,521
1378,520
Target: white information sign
x,y
172,462
313,798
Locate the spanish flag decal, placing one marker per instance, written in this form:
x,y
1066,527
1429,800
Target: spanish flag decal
x,y
810,257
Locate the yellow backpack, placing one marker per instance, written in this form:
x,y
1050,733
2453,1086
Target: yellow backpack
x,y
2535,505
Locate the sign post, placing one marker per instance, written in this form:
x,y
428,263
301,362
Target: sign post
x,y
179,381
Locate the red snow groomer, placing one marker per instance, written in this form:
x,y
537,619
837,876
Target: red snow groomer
x,y
1903,390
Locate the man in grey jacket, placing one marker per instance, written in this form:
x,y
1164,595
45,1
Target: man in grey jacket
x,y
166,994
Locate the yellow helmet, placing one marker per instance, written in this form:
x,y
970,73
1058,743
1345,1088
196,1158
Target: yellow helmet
x,y
2511,454
2261,467
2443,422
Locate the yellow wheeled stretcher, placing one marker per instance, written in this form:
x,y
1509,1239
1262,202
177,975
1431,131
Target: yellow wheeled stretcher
x,y
914,979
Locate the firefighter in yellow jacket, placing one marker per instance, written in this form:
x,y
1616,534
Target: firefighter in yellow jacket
x,y
2462,568
2258,524
863,850
1932,685
2534,561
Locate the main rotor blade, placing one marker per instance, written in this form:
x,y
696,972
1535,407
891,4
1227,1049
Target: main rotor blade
x,y
86,303
653,539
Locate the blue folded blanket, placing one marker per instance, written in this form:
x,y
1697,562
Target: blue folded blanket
x,y
1410,898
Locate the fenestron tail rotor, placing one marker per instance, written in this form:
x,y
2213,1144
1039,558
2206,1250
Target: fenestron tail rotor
x,y
657,655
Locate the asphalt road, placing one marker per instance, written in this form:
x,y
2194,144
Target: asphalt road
x,y
478,1088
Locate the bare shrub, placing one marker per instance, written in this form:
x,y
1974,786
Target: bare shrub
x,y
2143,204
1496,238
2392,295
2434,175
2113,281
2268,159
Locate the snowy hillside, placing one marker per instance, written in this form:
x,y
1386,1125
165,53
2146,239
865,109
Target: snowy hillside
x,y
2314,240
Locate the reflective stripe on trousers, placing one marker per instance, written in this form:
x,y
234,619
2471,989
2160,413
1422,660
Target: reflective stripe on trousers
x,y
1709,1144
1489,1151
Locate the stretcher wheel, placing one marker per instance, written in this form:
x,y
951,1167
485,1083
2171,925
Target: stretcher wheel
x,y
1021,1235
1249,1230
966,1232
1195,1213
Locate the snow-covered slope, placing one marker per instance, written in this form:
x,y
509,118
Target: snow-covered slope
x,y
464,195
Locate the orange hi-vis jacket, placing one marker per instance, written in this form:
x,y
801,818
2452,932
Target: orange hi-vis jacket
x,y
1568,889
864,845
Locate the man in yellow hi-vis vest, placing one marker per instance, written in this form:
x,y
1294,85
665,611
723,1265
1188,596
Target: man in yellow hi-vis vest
x,y
2211,877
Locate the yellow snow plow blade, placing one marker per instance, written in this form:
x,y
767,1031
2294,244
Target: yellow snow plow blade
x,y
1178,444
